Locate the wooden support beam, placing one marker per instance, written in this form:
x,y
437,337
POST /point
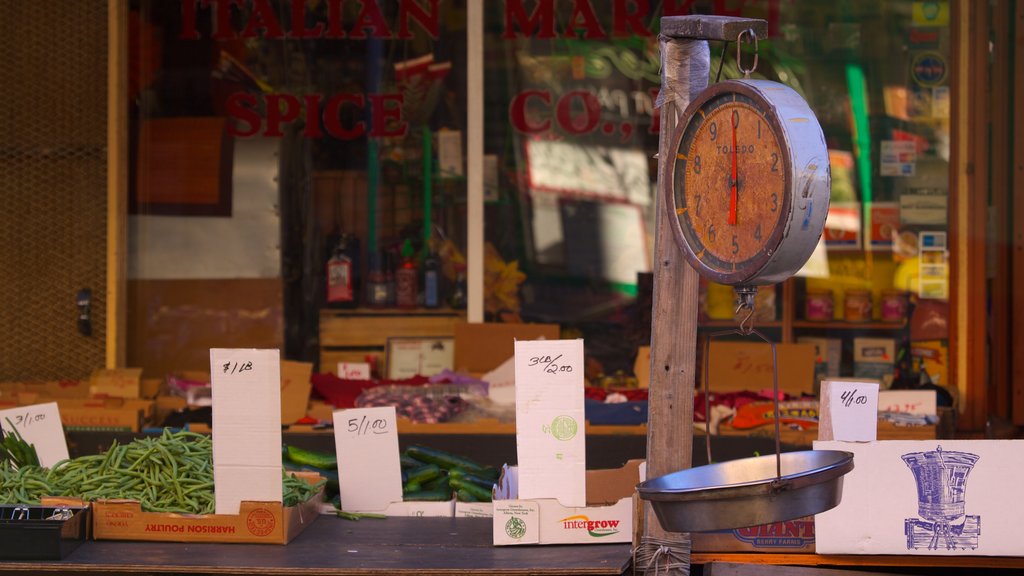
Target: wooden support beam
x,y
685,70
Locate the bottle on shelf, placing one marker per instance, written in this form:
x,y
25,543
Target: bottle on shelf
x,y
406,278
457,297
431,281
342,273
377,291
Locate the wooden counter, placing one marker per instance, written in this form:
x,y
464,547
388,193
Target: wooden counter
x,y
332,546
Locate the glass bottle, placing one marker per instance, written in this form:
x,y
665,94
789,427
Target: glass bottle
x,y
431,281
406,289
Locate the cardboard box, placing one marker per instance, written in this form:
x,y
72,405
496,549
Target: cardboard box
x,y
480,348
116,383
256,522
791,536
740,366
607,517
926,497
116,414
295,389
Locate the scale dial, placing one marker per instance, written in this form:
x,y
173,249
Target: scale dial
x,y
748,185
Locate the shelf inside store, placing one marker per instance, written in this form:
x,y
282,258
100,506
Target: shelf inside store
x,y
842,325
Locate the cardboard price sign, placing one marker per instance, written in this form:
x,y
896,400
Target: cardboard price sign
x,y
40,426
369,470
550,420
246,427
848,411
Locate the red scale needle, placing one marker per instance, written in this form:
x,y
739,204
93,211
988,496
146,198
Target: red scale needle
x,y
732,197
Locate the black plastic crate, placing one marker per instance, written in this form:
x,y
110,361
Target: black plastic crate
x,y
41,532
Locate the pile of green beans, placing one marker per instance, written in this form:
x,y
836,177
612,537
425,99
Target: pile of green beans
x,y
169,473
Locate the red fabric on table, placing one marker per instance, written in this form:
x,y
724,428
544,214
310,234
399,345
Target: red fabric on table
x,y
342,392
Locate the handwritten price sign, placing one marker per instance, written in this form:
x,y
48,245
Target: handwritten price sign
x,y
550,365
853,409
369,472
40,425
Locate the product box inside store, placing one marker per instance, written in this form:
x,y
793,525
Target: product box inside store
x,y
926,497
255,523
607,516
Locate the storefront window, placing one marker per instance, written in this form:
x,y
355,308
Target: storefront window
x,y
578,83
290,158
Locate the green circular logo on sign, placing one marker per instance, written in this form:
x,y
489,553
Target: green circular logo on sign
x,y
515,528
564,427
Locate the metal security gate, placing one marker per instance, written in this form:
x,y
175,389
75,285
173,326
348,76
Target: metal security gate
x,y
53,187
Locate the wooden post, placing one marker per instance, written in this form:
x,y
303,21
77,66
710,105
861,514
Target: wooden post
x,y
686,61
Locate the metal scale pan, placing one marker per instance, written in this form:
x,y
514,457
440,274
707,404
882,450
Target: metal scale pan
x,y
748,491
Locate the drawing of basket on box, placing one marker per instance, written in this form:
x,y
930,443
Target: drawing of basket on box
x,y
941,501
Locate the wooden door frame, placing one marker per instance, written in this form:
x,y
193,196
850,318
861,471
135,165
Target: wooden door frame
x,y
1017,228
117,181
968,209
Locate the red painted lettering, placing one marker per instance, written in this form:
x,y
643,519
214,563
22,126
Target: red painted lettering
x,y
332,116
241,107
387,115
299,29
281,108
592,29
262,19
428,18
627,23
590,114
371,18
540,23
518,112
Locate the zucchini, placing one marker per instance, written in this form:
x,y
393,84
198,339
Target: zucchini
x,y
325,460
445,460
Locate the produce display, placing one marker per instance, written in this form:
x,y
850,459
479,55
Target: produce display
x,y
427,474
169,473
430,474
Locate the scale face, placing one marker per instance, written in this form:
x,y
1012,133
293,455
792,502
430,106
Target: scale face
x,y
748,188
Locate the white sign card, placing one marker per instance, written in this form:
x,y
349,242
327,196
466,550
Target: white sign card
x,y
246,427
354,370
926,497
369,470
40,426
550,420
849,409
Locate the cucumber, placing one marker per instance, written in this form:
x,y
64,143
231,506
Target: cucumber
x,y
464,476
325,460
411,487
439,483
424,473
445,460
409,462
429,496
465,496
481,494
